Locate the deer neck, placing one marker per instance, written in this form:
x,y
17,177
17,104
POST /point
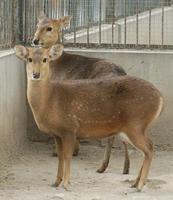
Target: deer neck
x,y
38,94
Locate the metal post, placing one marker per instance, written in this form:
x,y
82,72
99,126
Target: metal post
x,y
149,26
88,25
100,21
125,23
74,19
162,25
20,20
63,8
13,18
113,21
119,33
137,22
24,22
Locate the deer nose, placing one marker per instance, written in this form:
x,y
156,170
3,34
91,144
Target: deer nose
x,y
36,75
36,41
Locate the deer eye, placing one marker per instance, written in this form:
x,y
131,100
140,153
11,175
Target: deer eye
x,y
49,29
44,60
29,59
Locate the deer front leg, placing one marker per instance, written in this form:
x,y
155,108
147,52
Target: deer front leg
x,y
68,148
107,154
61,162
75,153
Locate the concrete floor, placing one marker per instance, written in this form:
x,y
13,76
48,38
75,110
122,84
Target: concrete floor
x,y
30,177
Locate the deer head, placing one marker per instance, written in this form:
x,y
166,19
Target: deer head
x,y
38,59
48,30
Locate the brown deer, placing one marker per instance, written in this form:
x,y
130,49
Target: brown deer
x,y
77,67
71,109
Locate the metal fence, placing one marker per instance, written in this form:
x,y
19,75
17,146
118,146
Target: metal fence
x,y
6,24
95,23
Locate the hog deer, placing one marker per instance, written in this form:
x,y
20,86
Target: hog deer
x,y
74,66
71,109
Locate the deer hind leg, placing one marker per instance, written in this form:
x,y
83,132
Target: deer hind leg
x,y
126,159
68,148
141,142
55,148
61,162
107,154
76,148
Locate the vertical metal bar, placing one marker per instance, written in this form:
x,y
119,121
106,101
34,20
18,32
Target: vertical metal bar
x,y
57,8
32,19
137,22
113,20
29,19
53,8
149,42
119,33
4,25
100,21
44,6
125,23
50,8
62,37
74,20
7,27
1,14
13,18
162,25
88,26
62,32
24,22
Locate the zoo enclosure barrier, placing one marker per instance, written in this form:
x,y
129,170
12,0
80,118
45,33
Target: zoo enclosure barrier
x,y
95,23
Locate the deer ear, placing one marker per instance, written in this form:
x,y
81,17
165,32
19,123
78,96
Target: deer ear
x,y
42,16
64,21
21,52
56,51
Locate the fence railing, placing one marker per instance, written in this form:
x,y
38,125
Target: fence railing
x,y
7,21
95,23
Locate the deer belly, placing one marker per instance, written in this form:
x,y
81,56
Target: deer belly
x,y
97,129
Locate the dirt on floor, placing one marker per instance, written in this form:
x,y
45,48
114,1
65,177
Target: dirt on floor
x,y
30,176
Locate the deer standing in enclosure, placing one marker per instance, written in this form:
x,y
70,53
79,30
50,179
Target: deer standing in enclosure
x,y
77,67
71,109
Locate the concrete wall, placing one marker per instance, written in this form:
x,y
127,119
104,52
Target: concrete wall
x,y
12,106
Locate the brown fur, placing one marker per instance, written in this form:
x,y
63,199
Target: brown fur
x,y
90,109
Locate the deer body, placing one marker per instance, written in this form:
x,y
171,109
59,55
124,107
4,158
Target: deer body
x,y
93,109
89,108
72,66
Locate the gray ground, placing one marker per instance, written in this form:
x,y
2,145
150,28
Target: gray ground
x,y
30,177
